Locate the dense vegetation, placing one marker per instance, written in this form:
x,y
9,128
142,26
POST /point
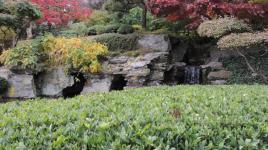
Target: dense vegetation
x,y
49,51
183,117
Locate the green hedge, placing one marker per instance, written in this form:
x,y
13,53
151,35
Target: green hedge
x,y
118,42
182,117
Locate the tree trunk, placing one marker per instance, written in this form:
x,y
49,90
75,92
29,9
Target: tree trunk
x,y
144,18
29,31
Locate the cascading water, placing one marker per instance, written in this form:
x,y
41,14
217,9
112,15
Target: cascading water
x,y
192,75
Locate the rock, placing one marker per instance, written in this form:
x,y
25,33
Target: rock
x,y
178,52
51,83
97,83
119,60
139,72
218,82
140,64
20,86
155,42
157,76
216,54
222,74
213,65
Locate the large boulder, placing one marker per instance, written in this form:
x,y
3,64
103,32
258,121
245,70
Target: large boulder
x,y
222,74
155,42
51,83
97,83
20,86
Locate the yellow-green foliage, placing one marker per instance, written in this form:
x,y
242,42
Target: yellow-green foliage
x,y
137,27
71,53
243,40
74,53
222,26
98,18
6,33
260,1
25,56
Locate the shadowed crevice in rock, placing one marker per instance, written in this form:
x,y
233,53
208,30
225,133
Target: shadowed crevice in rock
x,y
76,88
118,83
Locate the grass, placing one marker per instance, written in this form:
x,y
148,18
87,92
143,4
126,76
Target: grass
x,y
181,117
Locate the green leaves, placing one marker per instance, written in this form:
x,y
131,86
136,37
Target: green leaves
x,y
211,117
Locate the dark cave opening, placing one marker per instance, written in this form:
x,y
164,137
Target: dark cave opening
x,y
76,88
118,83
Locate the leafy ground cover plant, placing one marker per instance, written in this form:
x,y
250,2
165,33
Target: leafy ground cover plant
x,y
182,117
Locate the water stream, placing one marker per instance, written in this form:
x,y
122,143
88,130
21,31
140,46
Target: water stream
x,y
192,75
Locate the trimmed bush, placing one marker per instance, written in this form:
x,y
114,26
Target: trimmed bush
x,y
76,29
175,118
243,40
98,17
3,85
117,42
220,27
112,28
100,29
125,29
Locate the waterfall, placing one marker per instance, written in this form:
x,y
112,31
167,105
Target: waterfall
x,y
192,75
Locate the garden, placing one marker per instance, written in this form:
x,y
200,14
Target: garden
x,y
133,74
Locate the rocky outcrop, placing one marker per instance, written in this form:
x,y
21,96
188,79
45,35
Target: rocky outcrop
x,y
19,85
155,42
97,83
51,83
222,74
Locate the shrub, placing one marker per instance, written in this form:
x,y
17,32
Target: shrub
x,y
92,30
98,17
240,72
182,117
112,28
125,29
137,27
97,29
25,56
222,26
74,53
3,85
49,51
116,42
259,1
76,29
243,40
6,33
101,29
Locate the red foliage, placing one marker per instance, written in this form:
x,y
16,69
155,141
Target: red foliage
x,y
60,12
195,11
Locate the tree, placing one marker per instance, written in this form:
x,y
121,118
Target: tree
x,y
195,11
123,6
61,12
17,15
